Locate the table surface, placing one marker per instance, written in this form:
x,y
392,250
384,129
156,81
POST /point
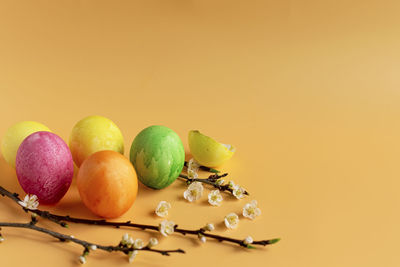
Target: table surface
x,y
308,92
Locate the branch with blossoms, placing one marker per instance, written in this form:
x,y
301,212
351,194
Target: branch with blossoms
x,y
166,227
215,179
127,245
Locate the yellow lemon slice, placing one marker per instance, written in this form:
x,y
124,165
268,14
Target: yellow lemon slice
x,y
207,151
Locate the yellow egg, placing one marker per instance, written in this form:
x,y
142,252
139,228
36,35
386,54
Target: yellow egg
x,y
207,151
92,134
14,137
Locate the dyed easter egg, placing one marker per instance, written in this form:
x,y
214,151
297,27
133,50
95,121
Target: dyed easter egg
x,y
92,134
207,151
158,156
14,137
44,167
107,184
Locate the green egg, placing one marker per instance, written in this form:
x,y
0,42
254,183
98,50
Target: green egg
x,y
158,156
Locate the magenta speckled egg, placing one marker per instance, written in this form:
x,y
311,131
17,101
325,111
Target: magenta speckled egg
x,y
44,166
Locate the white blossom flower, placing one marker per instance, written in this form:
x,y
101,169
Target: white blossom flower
x,y
231,184
220,181
215,198
202,238
194,192
93,247
1,239
250,210
153,242
231,220
192,169
162,208
127,240
193,164
132,255
238,191
30,202
138,244
209,227
248,240
166,227
82,259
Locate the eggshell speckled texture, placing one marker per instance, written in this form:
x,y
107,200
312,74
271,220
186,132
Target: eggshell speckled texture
x,y
158,156
107,183
92,134
44,167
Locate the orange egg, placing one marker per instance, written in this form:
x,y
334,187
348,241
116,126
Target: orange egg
x,y
107,183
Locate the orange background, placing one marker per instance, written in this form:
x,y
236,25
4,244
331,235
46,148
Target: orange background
x,y
308,91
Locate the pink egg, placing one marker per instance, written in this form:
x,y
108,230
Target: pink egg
x,y
44,166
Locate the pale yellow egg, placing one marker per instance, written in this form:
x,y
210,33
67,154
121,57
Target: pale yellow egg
x,y
14,137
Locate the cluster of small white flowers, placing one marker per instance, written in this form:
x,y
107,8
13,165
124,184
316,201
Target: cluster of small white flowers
x,y
250,210
138,244
231,220
162,208
30,202
215,198
166,227
194,192
192,169
195,189
1,239
127,240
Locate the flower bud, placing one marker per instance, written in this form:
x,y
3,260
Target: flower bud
x,y
153,242
248,240
210,227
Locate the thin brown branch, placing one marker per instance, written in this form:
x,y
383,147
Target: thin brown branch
x,y
61,220
85,244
